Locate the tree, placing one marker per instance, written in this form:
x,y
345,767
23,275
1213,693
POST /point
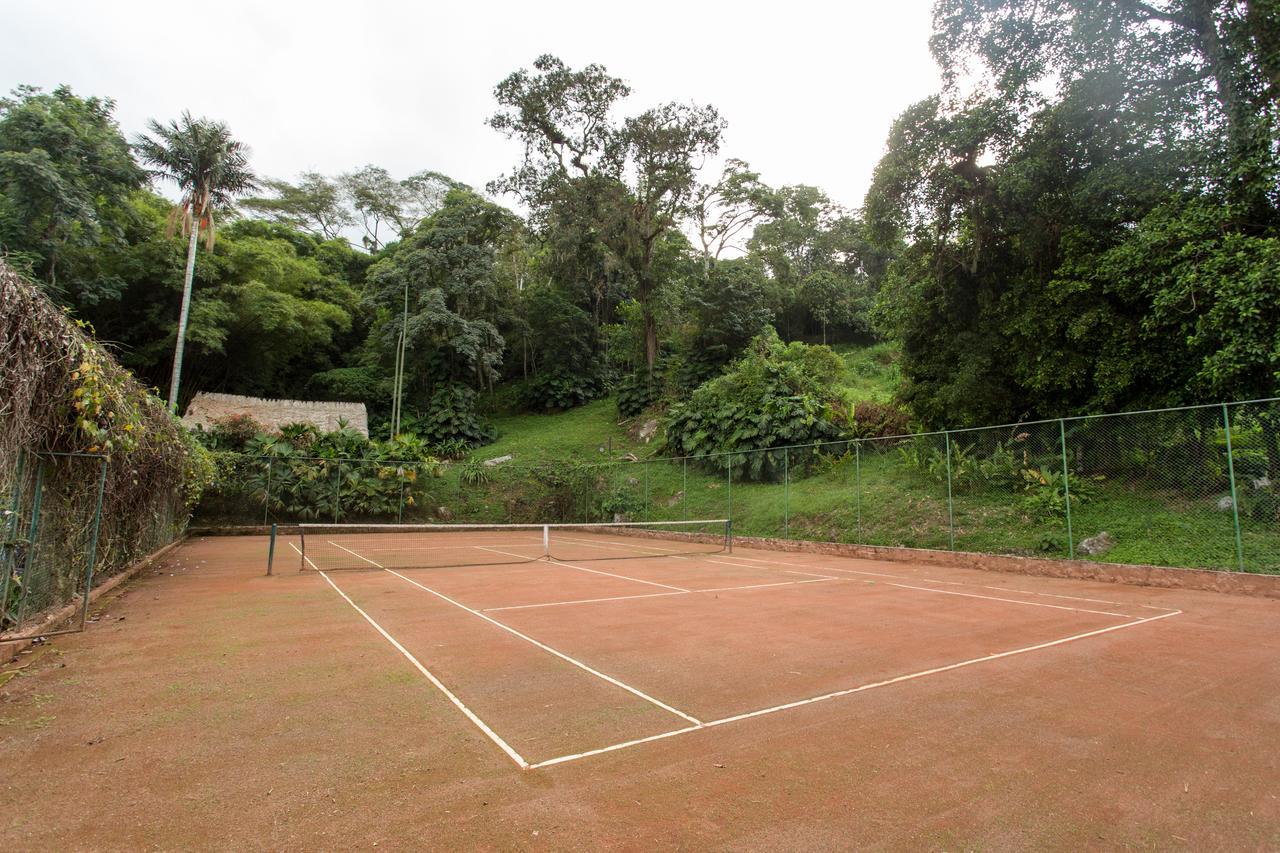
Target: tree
x,y
440,297
388,208
632,180
315,204
1055,251
210,169
722,212
66,175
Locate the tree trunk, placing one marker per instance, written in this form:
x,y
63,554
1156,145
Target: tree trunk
x,y
650,339
176,378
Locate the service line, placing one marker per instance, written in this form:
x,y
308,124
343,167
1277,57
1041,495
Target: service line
x,y
850,691
458,703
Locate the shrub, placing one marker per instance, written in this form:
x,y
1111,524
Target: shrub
x,y
301,473
562,390
869,419
233,432
773,397
451,417
638,392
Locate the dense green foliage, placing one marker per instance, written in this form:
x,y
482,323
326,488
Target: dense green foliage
x,y
776,395
1109,244
1085,217
302,474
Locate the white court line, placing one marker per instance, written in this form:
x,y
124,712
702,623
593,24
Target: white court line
x,y
1009,600
554,562
880,575
354,554
812,575
696,723
818,579
826,696
645,696
664,706
581,601
929,589
763,585
479,723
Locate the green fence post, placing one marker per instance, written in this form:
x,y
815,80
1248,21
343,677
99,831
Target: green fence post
x,y
266,501
857,483
1066,488
33,531
93,541
648,506
786,493
400,505
271,550
729,470
1235,502
951,521
337,488
684,488
10,534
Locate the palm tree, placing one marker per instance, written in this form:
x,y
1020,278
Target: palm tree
x,y
210,169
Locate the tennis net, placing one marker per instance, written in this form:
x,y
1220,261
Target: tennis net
x,y
336,547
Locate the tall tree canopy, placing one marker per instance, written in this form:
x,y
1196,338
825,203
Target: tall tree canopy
x,y
66,174
1089,227
631,180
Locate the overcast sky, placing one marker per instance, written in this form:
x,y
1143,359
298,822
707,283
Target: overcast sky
x,y
809,89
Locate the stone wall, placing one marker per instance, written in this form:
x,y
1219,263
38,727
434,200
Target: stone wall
x,y
273,414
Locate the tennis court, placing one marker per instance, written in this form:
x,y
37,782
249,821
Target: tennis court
x,y
599,686
564,642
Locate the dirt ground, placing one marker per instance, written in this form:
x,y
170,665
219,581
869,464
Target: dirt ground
x,y
209,706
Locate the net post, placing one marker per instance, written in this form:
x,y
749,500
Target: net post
x,y
786,493
951,521
271,550
1066,488
93,540
1235,501
728,535
546,541
302,548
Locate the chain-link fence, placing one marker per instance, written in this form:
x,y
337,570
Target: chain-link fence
x,y
51,536
1190,487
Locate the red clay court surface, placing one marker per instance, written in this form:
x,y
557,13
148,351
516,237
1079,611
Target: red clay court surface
x,y
753,699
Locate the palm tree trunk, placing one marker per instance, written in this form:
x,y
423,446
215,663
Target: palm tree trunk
x,y
183,314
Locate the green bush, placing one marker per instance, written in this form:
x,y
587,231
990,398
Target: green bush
x,y
869,419
638,392
302,473
451,416
558,391
774,396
